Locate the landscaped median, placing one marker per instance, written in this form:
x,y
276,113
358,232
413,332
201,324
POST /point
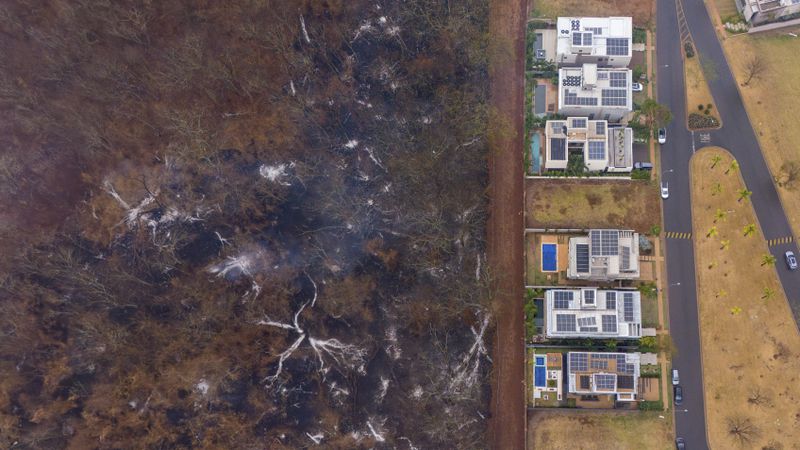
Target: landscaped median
x,y
749,338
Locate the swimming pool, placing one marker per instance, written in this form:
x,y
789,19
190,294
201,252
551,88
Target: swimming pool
x,y
549,258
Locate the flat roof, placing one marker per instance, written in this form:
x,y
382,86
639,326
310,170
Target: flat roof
x,y
609,87
592,312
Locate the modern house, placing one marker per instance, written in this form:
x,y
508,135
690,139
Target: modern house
x,y
605,41
614,374
763,11
547,377
604,255
596,93
604,149
593,313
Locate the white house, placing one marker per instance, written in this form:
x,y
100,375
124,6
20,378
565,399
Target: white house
x,y
596,93
604,374
605,41
604,149
763,11
593,313
604,255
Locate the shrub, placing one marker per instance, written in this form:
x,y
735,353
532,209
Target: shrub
x,y
655,230
649,405
700,121
689,49
700,107
648,344
639,174
709,107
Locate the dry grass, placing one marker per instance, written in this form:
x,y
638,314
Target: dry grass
x,y
580,430
748,338
769,100
640,10
555,203
726,8
697,91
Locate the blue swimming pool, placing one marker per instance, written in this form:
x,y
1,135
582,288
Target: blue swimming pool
x,y
540,360
539,376
549,258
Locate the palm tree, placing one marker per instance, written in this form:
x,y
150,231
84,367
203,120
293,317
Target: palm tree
x,y
736,310
715,160
768,293
726,243
722,293
734,166
749,229
712,232
716,189
767,259
744,194
720,215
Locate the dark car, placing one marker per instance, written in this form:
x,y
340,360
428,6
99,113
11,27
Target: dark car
x,y
680,444
678,395
791,261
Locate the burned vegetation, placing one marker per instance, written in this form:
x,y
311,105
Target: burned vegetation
x,y
243,224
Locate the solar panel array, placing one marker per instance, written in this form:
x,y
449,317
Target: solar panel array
x,y
616,47
623,367
565,322
627,307
578,362
578,123
572,99
587,322
625,264
572,80
587,39
582,258
618,79
602,75
588,296
557,126
595,30
558,149
597,363
597,150
609,323
600,127
576,39
605,382
611,300
625,382
561,299
604,242
585,382
614,97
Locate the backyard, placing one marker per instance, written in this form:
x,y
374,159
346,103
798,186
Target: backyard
x,y
771,93
561,203
599,430
641,10
748,336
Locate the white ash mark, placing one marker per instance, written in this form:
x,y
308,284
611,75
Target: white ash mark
x,y
202,386
467,371
417,392
376,429
317,437
276,173
351,144
305,32
393,349
381,394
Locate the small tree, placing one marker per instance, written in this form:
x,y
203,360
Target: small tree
x,y
720,215
744,194
754,68
656,114
726,244
716,189
768,260
712,232
749,230
767,293
733,167
742,430
788,175
716,158
735,311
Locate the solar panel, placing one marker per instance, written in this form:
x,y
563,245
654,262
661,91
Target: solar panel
x,y
605,382
588,296
587,39
572,99
565,322
578,123
618,79
556,126
587,322
588,329
595,30
582,258
616,47
625,382
614,97
611,300
602,75
626,258
609,323
600,127
598,363
604,242
578,362
558,149
597,150
576,38
585,383
561,299
572,80
627,307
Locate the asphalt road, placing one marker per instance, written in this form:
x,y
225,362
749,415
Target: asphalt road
x,y
738,137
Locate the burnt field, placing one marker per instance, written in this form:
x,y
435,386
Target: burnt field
x,y
244,224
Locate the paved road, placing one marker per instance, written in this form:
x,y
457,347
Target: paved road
x,y
738,137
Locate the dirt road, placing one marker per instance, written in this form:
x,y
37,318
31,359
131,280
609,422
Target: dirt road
x,y
505,239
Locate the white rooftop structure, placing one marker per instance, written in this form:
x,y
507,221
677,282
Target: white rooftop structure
x,y
605,41
593,313
604,373
762,11
604,255
597,93
604,149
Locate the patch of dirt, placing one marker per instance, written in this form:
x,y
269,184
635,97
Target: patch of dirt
x,y
505,238
641,10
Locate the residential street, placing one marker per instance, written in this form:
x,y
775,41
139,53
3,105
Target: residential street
x,y
738,137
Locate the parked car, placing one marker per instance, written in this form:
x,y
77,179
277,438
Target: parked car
x,y
791,261
664,190
680,444
637,87
643,166
678,395
662,135
676,380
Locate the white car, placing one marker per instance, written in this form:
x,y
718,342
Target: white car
x,y
637,87
664,190
662,135
676,380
